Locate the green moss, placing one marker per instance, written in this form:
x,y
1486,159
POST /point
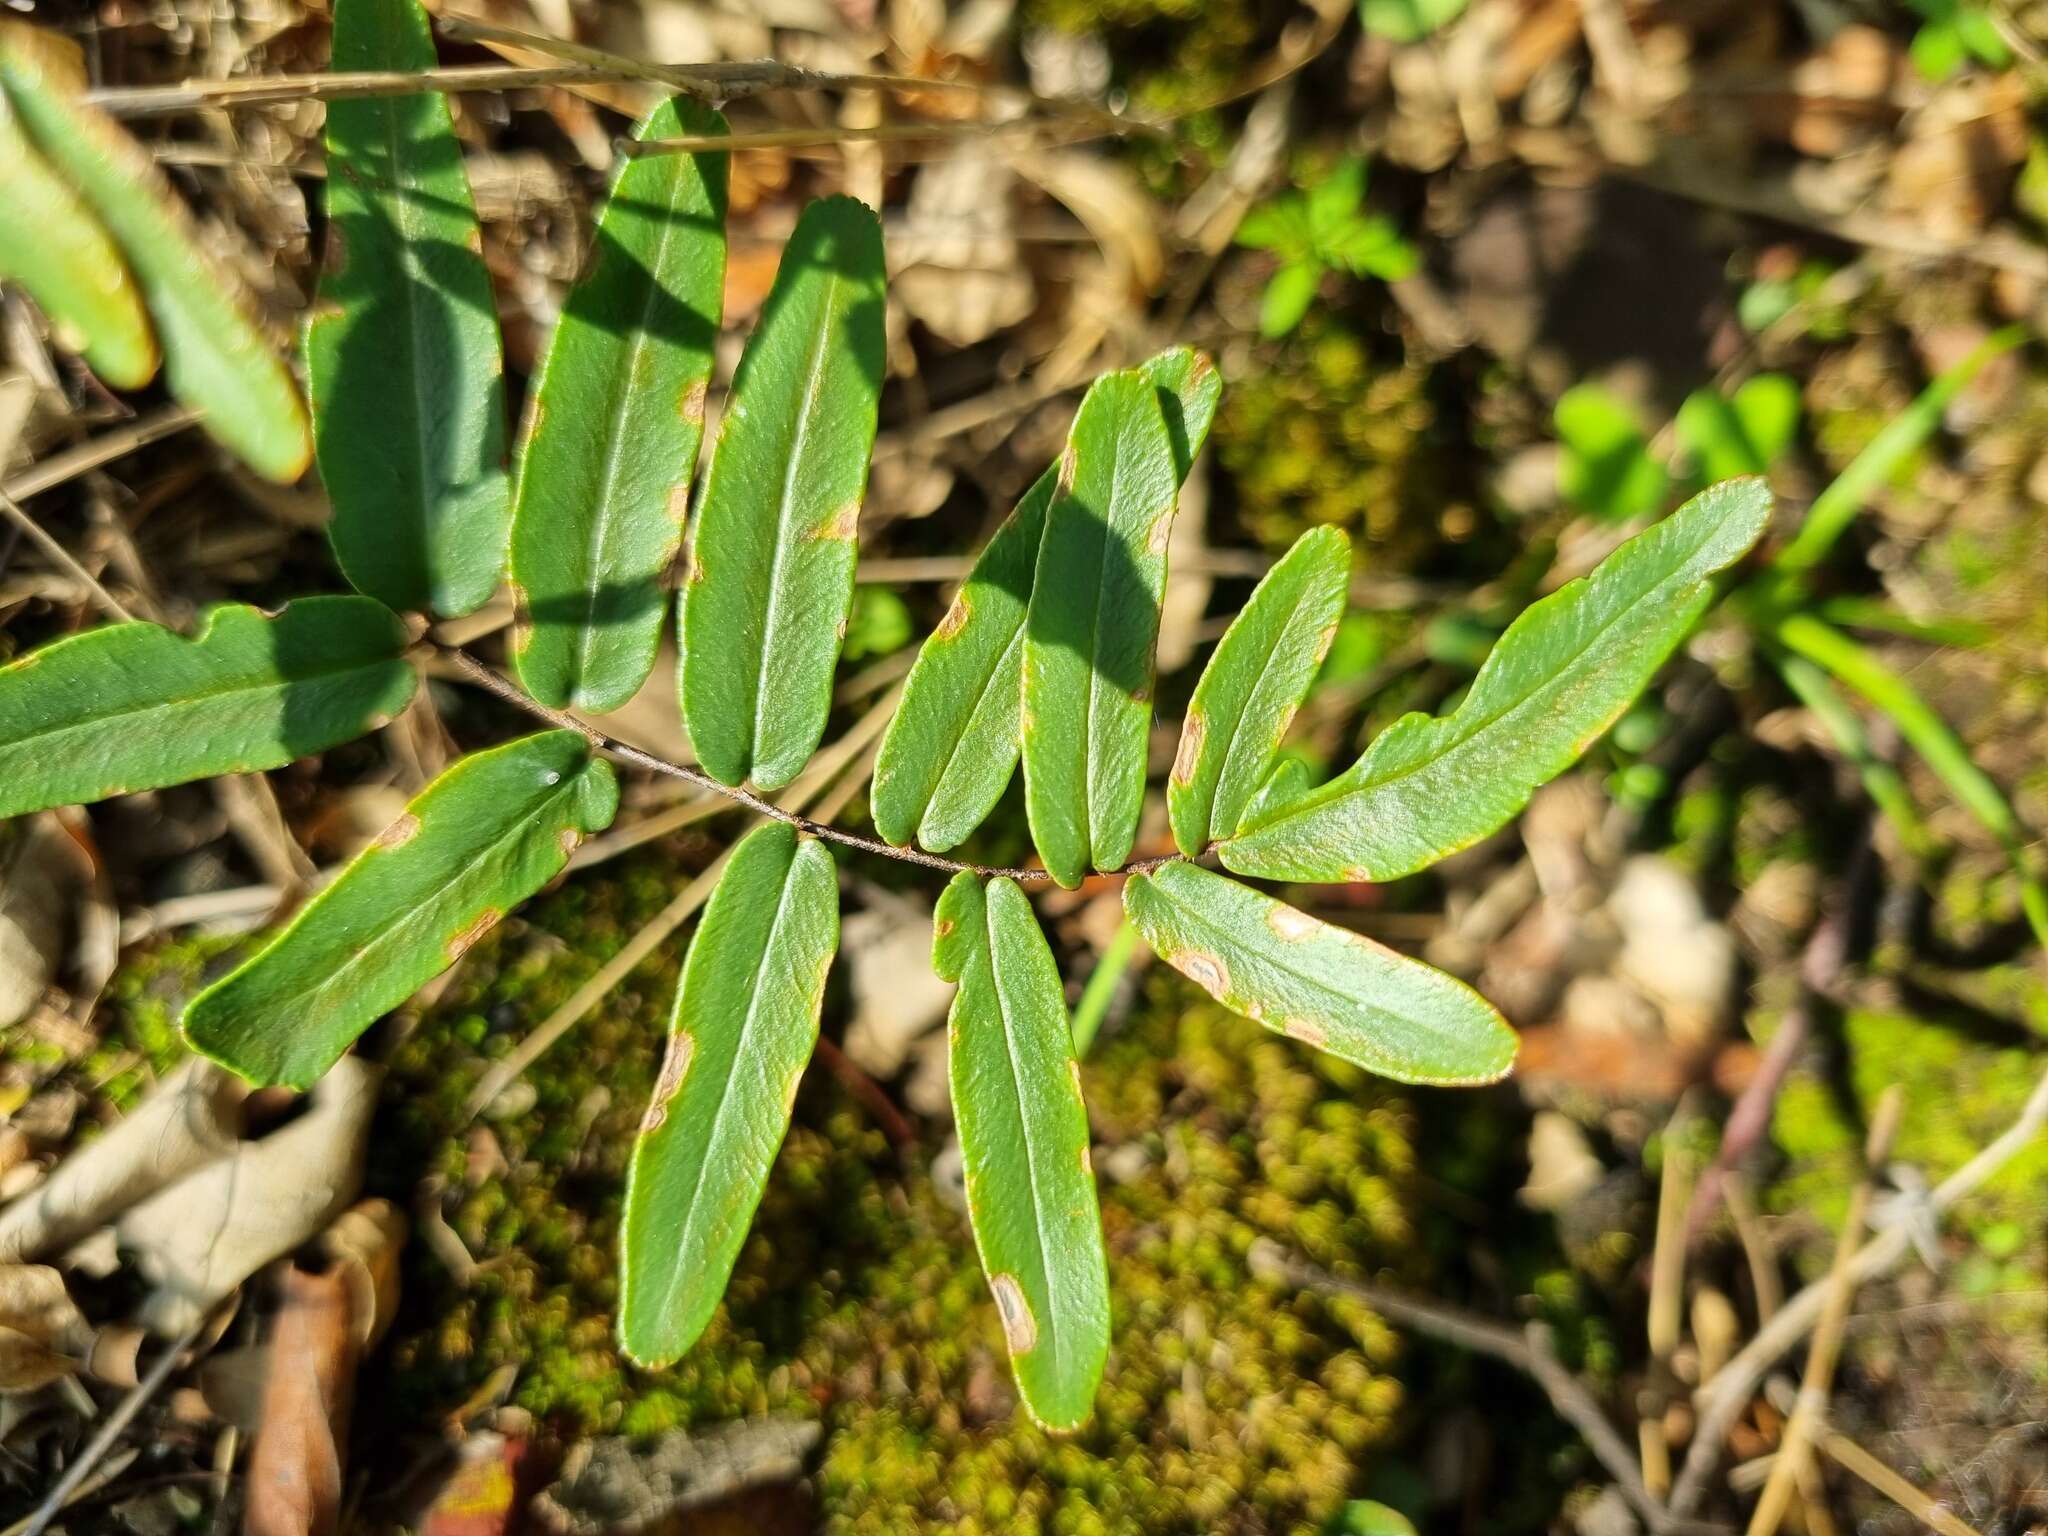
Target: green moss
x,y
858,1298
1332,435
1960,1094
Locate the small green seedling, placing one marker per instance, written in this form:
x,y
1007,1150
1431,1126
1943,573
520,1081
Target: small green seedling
x,y
1313,232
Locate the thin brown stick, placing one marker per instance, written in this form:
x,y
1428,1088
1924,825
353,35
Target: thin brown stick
x,y
1527,1351
1721,1399
1852,1457
94,451
894,1123
65,560
485,678
1818,1381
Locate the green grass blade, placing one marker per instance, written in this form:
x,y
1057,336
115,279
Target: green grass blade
x,y
1092,1008
771,558
745,1022
1319,984
1835,508
618,415
1024,1143
137,706
1092,623
1255,681
1883,782
953,742
1555,681
53,246
402,350
1926,733
479,840
215,358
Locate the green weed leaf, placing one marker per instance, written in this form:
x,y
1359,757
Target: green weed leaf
x,y
1604,465
1024,1142
402,350
479,840
1092,624
772,555
1407,21
1835,508
745,1022
1858,669
53,246
137,706
953,742
1248,693
214,356
1322,985
1744,434
1563,672
611,440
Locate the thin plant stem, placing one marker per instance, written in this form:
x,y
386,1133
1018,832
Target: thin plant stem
x,y
486,678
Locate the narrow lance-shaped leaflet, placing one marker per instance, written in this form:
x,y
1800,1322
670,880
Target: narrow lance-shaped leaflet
x,y
1255,681
770,578
954,740
477,841
1091,628
54,246
136,706
1563,672
402,350
1024,1145
745,1022
617,416
214,356
1322,985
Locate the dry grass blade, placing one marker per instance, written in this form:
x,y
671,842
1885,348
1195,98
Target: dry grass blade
x,y
1722,1399
1827,1338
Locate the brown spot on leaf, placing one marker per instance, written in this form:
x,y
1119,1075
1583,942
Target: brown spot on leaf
x,y
955,619
1020,1328
1306,1032
693,566
1325,640
535,415
1204,970
400,832
1291,924
479,925
944,926
678,504
843,524
1064,484
691,407
334,259
1161,532
675,1062
568,839
1190,752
